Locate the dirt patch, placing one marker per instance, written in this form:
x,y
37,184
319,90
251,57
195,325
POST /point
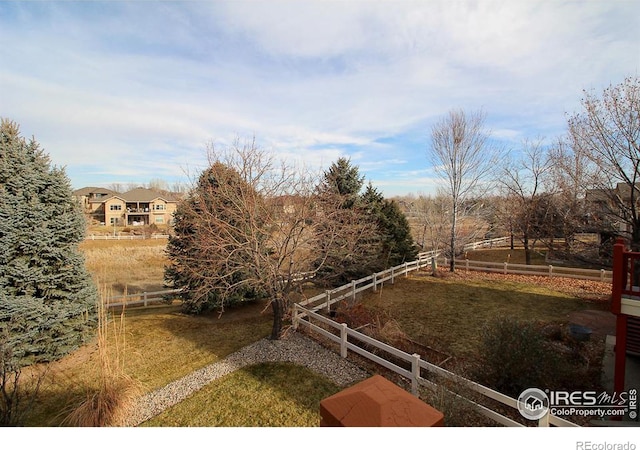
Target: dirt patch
x,y
602,323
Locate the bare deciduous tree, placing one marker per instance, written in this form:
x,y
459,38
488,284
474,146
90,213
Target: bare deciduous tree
x,y
248,228
570,179
462,157
432,216
523,178
607,133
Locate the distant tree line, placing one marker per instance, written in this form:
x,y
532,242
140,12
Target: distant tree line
x,y
539,192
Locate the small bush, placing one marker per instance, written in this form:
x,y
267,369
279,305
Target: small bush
x,y
517,355
17,394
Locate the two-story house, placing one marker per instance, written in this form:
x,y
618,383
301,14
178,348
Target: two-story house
x,y
139,206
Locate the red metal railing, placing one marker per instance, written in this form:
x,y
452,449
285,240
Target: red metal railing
x,y
625,283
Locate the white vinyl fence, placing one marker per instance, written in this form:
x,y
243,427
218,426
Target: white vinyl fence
x,y
346,337
329,297
488,243
139,299
306,313
523,269
124,237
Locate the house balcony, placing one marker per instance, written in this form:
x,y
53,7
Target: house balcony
x,y
625,304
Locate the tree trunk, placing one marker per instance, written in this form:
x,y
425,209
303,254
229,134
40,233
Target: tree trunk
x,y
278,308
527,250
452,263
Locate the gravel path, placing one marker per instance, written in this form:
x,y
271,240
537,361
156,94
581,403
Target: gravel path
x,y
295,348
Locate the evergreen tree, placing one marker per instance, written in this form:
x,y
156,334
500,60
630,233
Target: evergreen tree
x,y
47,298
392,227
345,240
343,182
206,256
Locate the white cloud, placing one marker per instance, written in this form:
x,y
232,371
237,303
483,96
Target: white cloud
x,y
321,79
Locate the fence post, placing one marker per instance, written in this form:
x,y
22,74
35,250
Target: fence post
x,y
294,318
415,373
550,270
505,267
392,276
353,290
544,420
343,340
144,297
375,283
602,275
406,270
467,264
328,295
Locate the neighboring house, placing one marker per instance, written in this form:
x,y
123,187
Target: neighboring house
x,y
136,207
288,204
604,208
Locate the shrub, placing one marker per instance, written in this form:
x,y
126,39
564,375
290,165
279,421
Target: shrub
x,y
516,355
17,394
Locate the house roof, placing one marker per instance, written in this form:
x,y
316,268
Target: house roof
x,y
134,195
145,195
92,190
597,195
624,190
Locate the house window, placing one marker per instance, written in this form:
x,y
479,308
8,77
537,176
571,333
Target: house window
x,y
114,220
115,207
160,219
159,207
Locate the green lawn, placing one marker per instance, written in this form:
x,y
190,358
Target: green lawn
x,y
155,346
162,345
264,395
448,314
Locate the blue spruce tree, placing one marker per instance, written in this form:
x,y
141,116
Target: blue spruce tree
x,y
47,298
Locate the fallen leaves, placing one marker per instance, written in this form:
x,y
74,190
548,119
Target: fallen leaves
x,y
584,289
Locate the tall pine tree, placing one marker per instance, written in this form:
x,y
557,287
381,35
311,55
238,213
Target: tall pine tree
x,y
392,226
47,298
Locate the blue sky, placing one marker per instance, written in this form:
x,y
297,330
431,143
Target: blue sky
x,y
126,92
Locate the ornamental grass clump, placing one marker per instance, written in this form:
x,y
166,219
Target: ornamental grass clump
x,y
108,402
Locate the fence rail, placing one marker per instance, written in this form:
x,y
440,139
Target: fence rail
x,y
346,337
329,297
523,269
142,298
127,237
497,242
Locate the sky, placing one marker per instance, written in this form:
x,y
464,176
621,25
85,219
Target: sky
x,y
129,92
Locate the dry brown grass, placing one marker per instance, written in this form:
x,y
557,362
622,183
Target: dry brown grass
x,y
129,266
107,403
